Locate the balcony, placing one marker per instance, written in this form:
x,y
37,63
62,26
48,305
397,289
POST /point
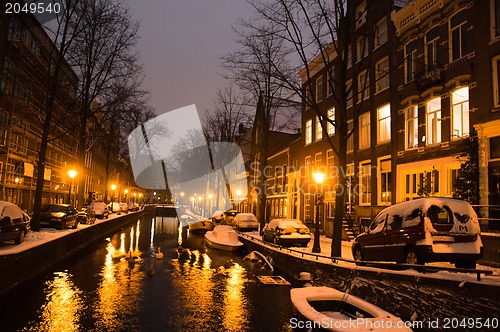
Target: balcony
x,y
431,76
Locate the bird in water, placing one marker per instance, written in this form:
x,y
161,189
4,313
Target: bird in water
x,y
159,254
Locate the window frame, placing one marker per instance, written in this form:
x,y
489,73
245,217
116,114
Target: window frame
x,y
413,119
318,133
308,138
381,34
410,55
382,75
364,130
319,88
464,112
383,121
435,127
331,116
461,28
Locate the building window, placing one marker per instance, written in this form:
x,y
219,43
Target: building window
x,y
385,181
495,18
363,86
308,132
365,184
410,61
331,117
319,129
411,127
308,97
432,49
330,162
458,35
307,207
349,102
318,160
381,32
350,138
319,89
384,123
361,48
360,14
382,75
455,174
496,80
349,56
433,121
460,113
329,82
364,131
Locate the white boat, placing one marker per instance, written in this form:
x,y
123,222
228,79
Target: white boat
x,y
223,237
200,226
328,309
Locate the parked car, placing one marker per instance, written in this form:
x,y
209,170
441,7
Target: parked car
x,y
124,207
423,230
132,206
286,232
14,223
59,216
229,216
101,210
245,221
86,215
114,207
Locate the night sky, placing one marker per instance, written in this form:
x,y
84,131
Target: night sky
x,y
180,45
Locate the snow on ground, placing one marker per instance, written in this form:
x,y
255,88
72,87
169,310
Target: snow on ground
x,y
45,235
325,257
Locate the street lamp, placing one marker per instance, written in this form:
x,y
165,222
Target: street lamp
x,y
16,180
125,192
318,178
72,174
113,188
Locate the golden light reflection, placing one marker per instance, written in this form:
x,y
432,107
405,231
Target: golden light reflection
x,y
179,232
120,291
152,231
64,303
137,234
131,248
235,313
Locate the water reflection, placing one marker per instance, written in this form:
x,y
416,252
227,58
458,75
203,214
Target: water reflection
x,y
235,303
63,304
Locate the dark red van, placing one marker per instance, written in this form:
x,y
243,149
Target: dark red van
x,y
423,230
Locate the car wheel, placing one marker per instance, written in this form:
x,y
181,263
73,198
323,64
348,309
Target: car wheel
x,y
465,264
60,225
358,254
412,257
20,239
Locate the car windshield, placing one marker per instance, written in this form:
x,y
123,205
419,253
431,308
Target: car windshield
x,y
55,208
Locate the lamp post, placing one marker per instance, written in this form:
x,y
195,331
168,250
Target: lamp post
x,y
72,174
125,192
318,178
113,188
16,180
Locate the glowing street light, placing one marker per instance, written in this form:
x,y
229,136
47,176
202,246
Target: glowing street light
x,y
113,188
318,178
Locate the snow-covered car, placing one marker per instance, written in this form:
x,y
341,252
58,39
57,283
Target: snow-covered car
x,y
424,230
286,232
14,223
114,207
101,210
59,216
245,221
124,207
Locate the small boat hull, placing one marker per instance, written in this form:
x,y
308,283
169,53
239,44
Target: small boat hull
x,y
331,310
200,226
223,237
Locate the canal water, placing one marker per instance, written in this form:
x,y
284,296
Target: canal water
x,y
193,288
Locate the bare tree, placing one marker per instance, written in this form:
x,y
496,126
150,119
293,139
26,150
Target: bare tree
x,y
101,55
319,33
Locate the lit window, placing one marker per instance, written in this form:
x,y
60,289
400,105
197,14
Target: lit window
x,y
384,123
385,181
495,18
350,138
330,161
411,127
458,35
365,184
460,113
433,121
364,131
319,130
308,132
496,80
331,117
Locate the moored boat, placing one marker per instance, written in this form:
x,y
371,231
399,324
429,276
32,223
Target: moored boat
x,y
328,309
200,226
223,237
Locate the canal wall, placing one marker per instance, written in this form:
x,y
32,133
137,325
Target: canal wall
x,y
429,296
19,267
